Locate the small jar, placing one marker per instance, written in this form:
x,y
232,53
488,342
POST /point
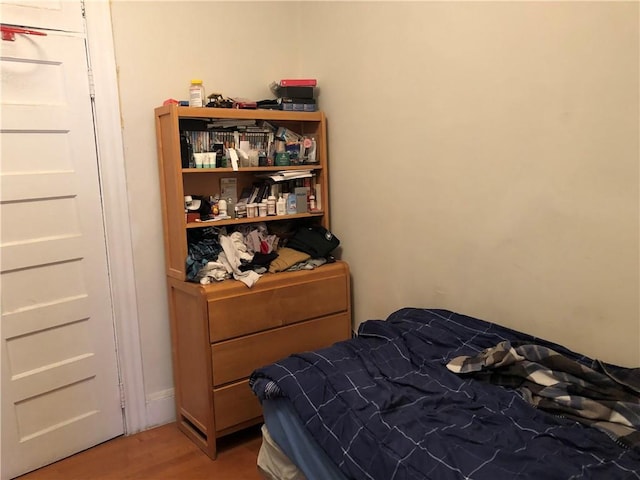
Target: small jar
x,y
222,207
254,160
262,209
271,205
252,210
196,93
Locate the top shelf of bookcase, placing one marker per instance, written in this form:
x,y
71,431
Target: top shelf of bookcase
x,y
240,113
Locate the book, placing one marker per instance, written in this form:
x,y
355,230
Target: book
x,y
302,195
263,192
254,193
245,195
318,195
285,175
229,188
298,82
287,135
295,92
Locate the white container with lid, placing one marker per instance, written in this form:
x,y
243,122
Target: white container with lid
x,y
196,93
222,207
262,209
252,210
271,205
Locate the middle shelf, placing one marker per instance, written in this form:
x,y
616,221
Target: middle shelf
x,y
303,166
242,221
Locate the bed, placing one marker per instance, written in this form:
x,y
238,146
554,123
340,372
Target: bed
x,y
433,394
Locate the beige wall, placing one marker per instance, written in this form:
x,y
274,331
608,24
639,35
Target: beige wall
x,y
484,156
485,160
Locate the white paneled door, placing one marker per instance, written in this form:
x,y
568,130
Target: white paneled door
x,y
60,388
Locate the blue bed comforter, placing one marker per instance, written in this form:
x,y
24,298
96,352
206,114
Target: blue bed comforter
x,y
384,406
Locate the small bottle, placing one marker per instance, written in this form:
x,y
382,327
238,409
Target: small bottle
x,y
291,204
222,207
196,93
252,210
231,207
281,206
271,205
254,160
312,202
262,158
262,209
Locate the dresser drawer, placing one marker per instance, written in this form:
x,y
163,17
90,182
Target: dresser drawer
x,y
237,358
234,404
278,300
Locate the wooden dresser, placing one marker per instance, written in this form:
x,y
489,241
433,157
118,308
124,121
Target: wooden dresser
x,y
223,331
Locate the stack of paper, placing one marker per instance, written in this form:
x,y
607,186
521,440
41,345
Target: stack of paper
x,y
284,175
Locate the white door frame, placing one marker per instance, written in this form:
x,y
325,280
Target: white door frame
x,y
116,211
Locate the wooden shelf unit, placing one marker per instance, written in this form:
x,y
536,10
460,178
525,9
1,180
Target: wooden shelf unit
x,y
223,331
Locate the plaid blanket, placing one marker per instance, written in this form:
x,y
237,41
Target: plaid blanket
x,y
604,397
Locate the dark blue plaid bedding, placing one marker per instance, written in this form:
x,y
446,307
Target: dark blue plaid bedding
x,y
384,406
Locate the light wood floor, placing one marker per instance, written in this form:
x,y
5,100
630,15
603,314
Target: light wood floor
x,y
160,453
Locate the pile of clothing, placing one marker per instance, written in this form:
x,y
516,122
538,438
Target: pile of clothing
x,y
251,250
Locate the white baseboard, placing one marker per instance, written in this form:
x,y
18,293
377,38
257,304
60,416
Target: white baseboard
x,y
161,408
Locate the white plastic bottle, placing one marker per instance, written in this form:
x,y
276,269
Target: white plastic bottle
x,y
291,204
281,206
262,208
196,93
222,207
271,205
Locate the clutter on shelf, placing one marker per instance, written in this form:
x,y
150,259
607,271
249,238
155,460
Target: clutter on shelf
x,y
236,143
295,94
292,94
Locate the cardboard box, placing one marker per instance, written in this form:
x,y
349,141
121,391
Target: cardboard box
x,y
302,194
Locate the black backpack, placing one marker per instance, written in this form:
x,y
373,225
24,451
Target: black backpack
x,y
315,240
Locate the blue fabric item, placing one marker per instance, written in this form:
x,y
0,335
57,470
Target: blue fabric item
x,y
384,406
288,432
202,247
